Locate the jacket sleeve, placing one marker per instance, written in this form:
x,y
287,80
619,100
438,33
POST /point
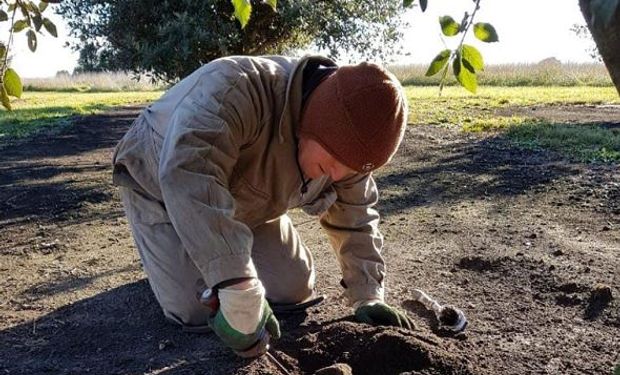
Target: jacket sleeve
x,y
351,224
199,152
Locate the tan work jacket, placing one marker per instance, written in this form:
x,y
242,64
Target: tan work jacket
x,y
220,153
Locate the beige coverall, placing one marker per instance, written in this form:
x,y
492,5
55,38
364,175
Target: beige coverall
x,y
207,174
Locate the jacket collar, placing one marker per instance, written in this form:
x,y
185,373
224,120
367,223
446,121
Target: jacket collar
x,y
292,104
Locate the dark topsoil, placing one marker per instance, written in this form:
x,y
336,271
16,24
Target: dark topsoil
x,y
526,243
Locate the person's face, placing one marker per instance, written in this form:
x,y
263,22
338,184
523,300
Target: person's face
x,y
315,162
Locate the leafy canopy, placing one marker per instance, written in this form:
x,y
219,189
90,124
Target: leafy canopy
x,y
169,39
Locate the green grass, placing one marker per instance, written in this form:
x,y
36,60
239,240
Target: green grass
x,y
587,142
490,109
478,112
43,110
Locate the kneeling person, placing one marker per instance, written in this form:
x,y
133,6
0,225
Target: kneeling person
x,y
209,171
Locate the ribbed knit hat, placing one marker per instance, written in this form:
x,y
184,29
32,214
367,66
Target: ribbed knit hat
x,y
358,114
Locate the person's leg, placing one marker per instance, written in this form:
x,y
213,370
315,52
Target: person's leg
x,y
283,263
172,275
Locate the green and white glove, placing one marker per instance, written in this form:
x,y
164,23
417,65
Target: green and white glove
x,y
378,313
244,317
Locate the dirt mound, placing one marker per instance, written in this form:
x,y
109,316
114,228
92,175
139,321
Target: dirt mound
x,y
369,350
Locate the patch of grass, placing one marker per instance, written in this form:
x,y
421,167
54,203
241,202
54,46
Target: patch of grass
x,y
584,142
456,107
44,110
490,110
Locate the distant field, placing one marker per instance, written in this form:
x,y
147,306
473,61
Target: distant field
x,y
39,110
93,82
546,73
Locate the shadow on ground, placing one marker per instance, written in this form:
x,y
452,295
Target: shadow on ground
x,y
121,331
42,177
87,133
472,169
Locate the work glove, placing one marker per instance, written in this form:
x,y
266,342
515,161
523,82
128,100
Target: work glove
x,y
244,319
378,313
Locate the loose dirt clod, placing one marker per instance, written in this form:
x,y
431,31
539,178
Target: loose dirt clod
x,y
337,369
600,297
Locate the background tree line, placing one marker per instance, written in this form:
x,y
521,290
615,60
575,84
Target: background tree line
x,y
170,39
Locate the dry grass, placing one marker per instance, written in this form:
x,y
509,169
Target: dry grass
x,y
93,82
549,72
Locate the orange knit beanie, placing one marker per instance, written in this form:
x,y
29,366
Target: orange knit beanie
x,y
358,114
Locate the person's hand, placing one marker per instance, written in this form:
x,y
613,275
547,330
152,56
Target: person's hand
x,y
378,313
244,318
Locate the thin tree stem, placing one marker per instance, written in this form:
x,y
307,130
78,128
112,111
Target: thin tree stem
x,y
8,46
469,23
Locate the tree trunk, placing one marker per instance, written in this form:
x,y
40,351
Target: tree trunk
x,y
607,41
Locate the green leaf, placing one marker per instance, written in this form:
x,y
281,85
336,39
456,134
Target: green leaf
x,y
473,57
617,369
603,12
423,5
3,16
438,63
243,10
4,98
273,4
32,40
42,6
407,3
38,22
2,50
485,32
449,27
12,83
23,8
465,75
50,27
19,25
33,8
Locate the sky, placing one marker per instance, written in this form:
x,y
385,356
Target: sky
x,y
529,31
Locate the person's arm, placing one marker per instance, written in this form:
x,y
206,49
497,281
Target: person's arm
x,y
352,227
217,117
351,224
200,150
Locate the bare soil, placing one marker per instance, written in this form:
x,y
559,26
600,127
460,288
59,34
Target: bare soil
x,y
526,243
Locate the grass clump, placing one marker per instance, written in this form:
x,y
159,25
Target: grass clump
x,y
584,142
